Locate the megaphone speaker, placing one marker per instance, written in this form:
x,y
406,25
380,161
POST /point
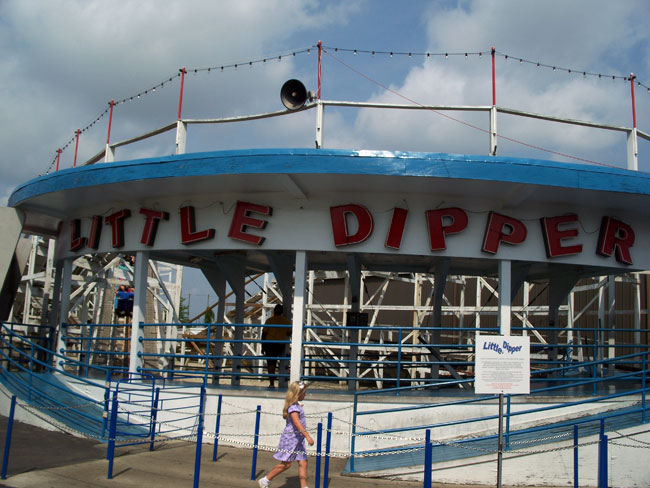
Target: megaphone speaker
x,y
293,94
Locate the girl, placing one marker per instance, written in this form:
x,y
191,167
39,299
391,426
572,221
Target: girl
x,y
292,442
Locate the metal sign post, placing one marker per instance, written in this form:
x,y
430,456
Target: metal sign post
x,y
502,367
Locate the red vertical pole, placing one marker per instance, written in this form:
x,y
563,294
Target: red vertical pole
x,y
76,147
110,120
632,78
58,158
180,97
494,85
320,52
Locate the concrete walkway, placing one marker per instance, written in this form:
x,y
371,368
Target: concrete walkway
x,y
50,459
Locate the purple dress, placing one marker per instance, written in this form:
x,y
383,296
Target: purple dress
x,y
292,442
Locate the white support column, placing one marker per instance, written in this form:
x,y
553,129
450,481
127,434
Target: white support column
x,y
139,309
234,270
354,272
570,322
29,284
526,303
601,323
461,310
611,322
637,312
477,314
310,297
47,285
298,315
505,300
217,281
66,287
440,281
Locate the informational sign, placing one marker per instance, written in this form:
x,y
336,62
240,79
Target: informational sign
x,y
502,364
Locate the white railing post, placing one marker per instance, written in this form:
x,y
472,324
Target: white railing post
x,y
109,156
181,136
319,124
493,131
632,150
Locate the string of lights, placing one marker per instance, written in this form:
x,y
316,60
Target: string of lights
x,y
472,126
218,68
329,49
235,65
505,56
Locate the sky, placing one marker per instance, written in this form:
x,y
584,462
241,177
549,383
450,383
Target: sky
x,y
63,61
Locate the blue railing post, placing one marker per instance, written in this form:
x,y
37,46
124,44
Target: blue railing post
x,y
111,436
427,459
10,426
207,355
594,386
319,440
199,439
575,456
354,432
328,440
257,435
216,430
601,437
31,372
399,356
507,443
107,399
643,385
154,418
91,330
602,462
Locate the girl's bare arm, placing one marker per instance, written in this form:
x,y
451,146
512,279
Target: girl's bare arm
x,y
295,419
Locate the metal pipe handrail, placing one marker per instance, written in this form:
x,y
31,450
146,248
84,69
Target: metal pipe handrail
x,y
391,106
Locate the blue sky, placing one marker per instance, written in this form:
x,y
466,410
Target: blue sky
x,y
63,61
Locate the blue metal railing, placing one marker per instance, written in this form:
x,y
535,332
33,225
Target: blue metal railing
x,y
378,357
633,392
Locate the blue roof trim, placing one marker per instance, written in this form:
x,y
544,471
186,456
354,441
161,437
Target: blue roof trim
x,y
343,162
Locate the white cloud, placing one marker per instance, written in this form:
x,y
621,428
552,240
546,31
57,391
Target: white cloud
x,y
598,36
64,61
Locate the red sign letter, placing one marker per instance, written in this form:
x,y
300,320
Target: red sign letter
x,y
188,233
153,217
340,225
553,236
95,232
396,230
76,241
615,234
495,232
116,221
242,219
437,230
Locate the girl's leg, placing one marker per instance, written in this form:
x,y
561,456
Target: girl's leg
x,y
302,473
277,469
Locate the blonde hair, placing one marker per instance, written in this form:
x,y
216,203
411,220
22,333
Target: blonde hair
x,y
295,389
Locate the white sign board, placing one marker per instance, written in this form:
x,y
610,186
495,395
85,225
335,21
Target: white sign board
x,y
502,364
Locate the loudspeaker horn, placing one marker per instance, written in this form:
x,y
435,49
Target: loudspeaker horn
x,y
294,94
